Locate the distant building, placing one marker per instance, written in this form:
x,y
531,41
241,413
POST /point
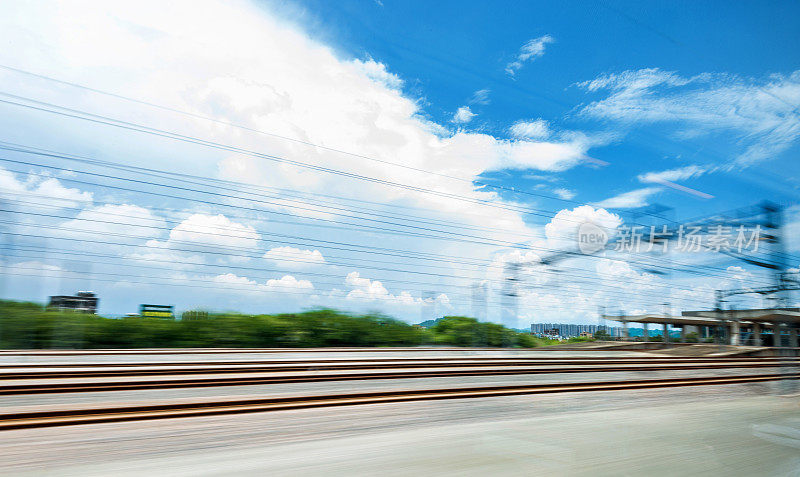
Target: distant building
x,y
554,333
157,311
83,302
568,330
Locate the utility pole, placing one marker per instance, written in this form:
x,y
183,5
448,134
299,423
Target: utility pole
x,y
773,223
510,294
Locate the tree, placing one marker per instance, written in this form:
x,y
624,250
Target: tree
x,y
602,335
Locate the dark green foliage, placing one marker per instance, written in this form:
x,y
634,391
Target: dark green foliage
x,y
463,331
602,335
579,339
29,325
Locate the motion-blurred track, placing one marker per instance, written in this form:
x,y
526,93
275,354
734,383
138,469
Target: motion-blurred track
x,y
73,416
35,379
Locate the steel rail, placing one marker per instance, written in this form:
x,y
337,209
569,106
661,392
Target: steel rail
x,y
103,386
154,351
66,417
160,369
476,359
612,346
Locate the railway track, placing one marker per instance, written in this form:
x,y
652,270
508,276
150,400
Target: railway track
x,y
40,371
173,351
106,414
373,361
610,346
13,383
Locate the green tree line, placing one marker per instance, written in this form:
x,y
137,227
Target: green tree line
x,y
26,325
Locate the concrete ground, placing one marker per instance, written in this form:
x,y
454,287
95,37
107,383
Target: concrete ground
x,y
722,430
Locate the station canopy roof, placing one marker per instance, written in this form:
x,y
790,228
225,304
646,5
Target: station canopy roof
x,y
712,318
760,315
667,319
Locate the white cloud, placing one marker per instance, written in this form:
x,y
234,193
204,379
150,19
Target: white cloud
x,y
463,115
288,281
378,72
41,193
161,251
294,257
531,50
565,194
285,283
290,85
544,155
124,219
667,177
679,174
517,256
630,199
233,279
562,230
215,230
35,267
761,112
369,290
537,129
616,270
366,288
738,273
480,97
69,197
632,82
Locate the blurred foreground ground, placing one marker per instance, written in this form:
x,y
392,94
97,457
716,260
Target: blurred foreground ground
x,y
745,429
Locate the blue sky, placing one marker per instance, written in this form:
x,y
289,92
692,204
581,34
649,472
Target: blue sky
x,y
591,109
448,50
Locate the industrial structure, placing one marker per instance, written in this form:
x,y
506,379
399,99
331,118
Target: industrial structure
x,y
83,301
756,327
776,325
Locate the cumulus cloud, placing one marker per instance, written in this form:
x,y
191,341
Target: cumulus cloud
x,y
378,72
366,289
285,283
216,231
39,193
123,219
616,270
760,112
288,281
294,257
291,86
562,230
